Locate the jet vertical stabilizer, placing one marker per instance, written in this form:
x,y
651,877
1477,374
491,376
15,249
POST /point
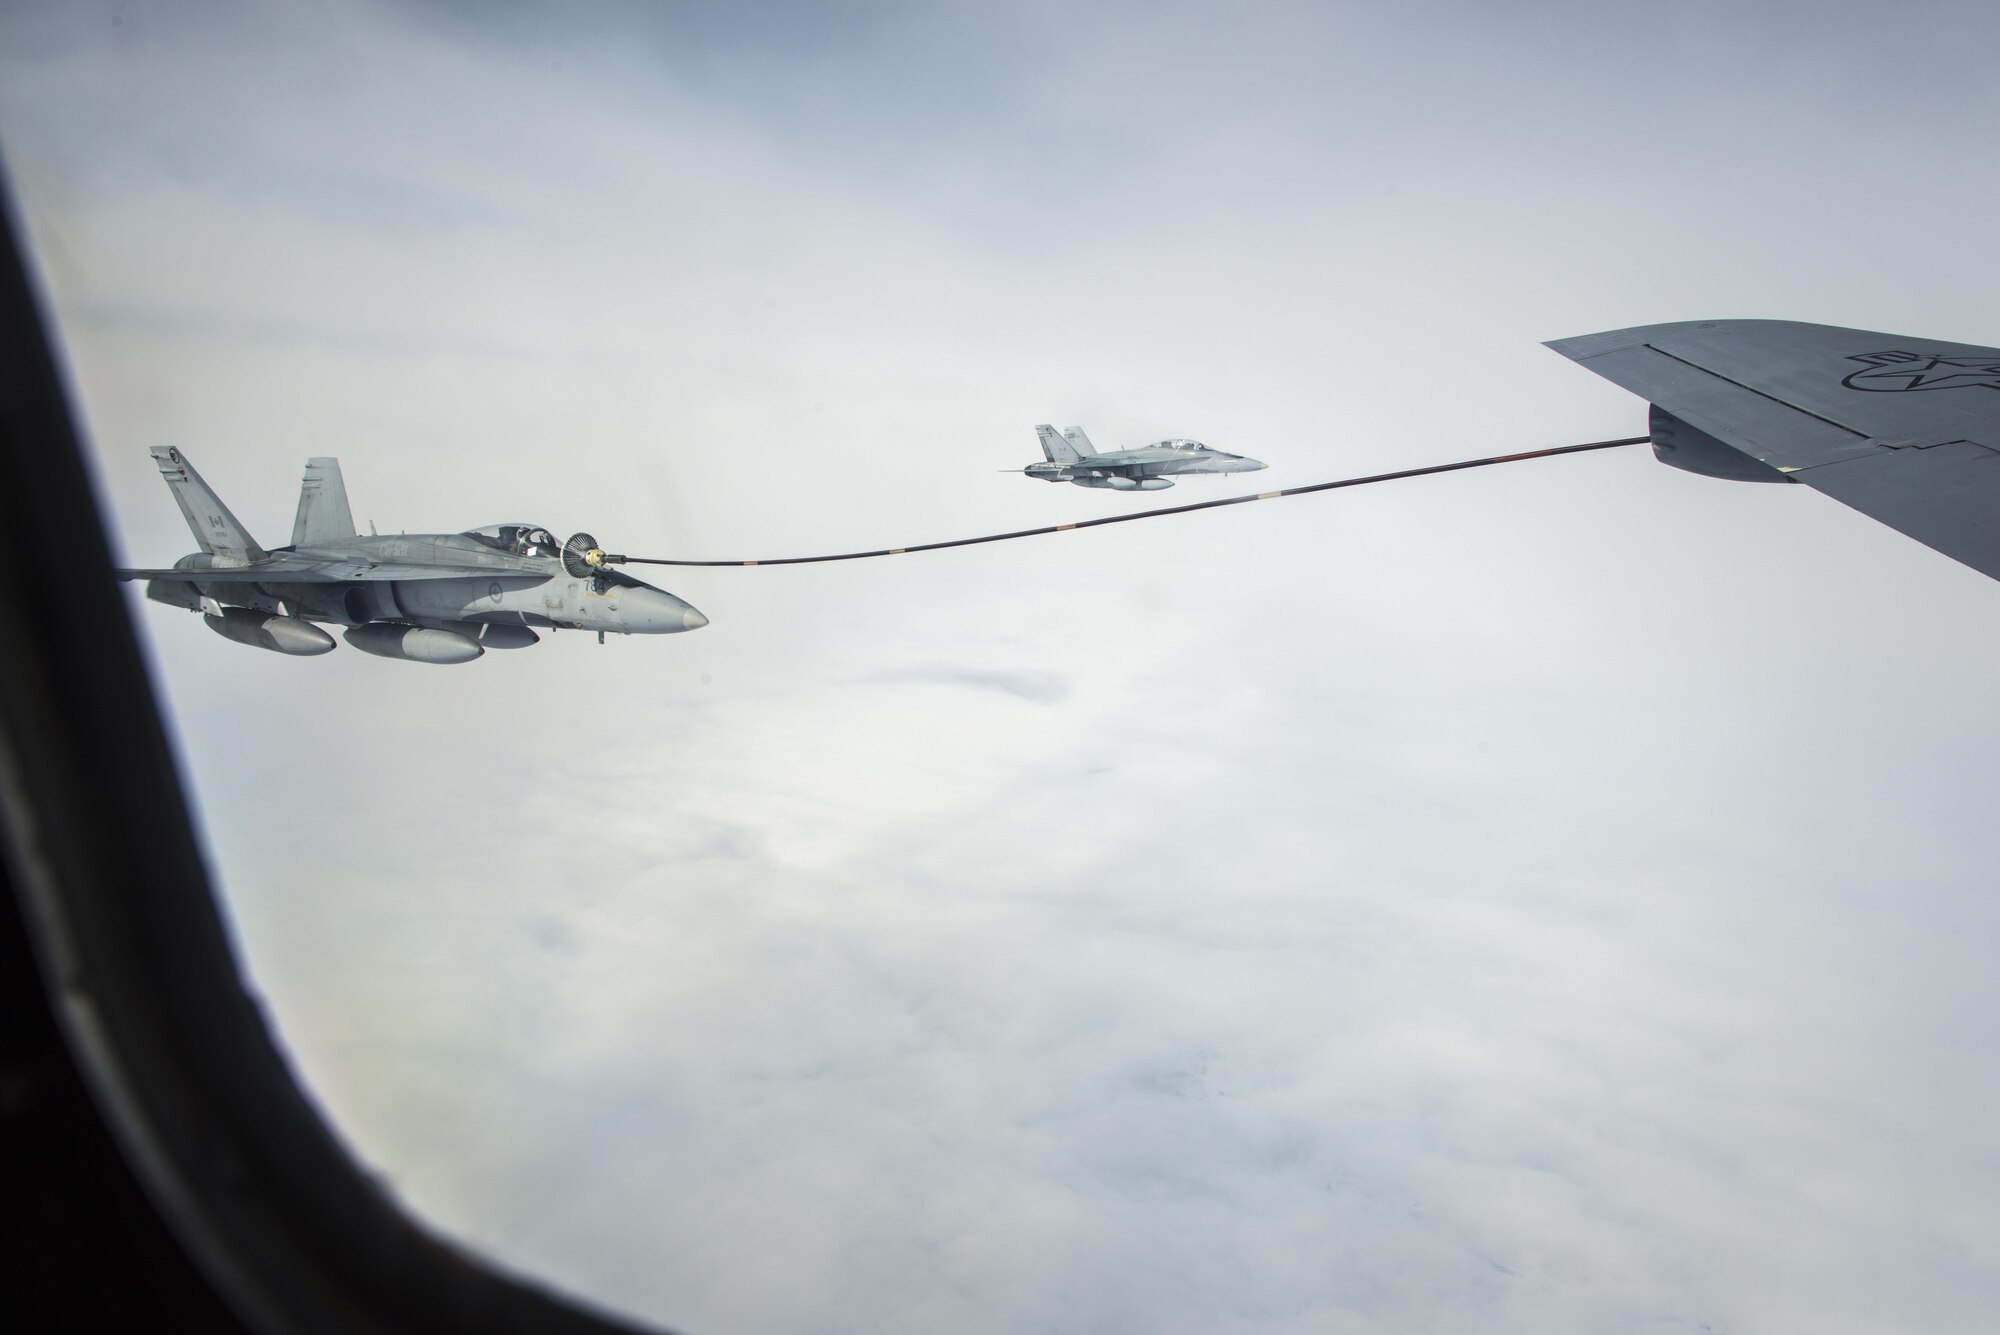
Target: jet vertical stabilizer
x,y
214,527
1078,441
323,513
1055,448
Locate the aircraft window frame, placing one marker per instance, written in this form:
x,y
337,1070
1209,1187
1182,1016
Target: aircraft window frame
x,y
145,1014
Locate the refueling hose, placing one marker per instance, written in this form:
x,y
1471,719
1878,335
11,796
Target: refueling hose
x,y
1141,514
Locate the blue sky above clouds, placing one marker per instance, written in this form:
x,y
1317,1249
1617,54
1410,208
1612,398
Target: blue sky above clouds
x,y
1548,898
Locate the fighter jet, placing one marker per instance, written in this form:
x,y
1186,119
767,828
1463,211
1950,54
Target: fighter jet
x,y
1898,428
419,597
1072,458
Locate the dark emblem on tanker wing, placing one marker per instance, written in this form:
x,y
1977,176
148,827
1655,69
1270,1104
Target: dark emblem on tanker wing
x,y
1894,372
423,598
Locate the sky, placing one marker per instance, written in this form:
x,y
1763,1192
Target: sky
x,y
1548,897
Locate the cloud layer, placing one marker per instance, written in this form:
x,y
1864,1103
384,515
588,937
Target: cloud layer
x,y
1554,897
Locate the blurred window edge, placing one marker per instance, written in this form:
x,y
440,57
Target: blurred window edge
x,y
161,1160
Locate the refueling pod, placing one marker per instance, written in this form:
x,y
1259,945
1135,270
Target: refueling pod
x,y
1679,445
412,644
268,630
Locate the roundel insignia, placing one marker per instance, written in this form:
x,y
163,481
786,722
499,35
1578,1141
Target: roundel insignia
x,y
1899,372
493,590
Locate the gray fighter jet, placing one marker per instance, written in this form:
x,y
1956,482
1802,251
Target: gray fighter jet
x,y
1072,458
1898,428
420,597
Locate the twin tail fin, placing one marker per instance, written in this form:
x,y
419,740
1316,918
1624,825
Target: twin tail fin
x,y
323,514
1065,447
217,530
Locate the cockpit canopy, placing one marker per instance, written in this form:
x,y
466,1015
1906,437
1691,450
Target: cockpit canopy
x,y
1182,443
517,539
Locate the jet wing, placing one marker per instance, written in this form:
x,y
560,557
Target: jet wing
x,y
312,570
1905,430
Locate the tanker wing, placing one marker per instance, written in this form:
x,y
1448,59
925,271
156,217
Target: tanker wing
x,y
1905,430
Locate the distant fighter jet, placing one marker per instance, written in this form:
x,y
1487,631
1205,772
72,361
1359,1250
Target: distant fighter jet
x,y
420,597
1899,428
1072,458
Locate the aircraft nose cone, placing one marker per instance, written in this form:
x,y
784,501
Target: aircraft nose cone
x,y
651,611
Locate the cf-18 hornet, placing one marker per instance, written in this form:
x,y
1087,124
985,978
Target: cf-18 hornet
x,y
1070,457
420,597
